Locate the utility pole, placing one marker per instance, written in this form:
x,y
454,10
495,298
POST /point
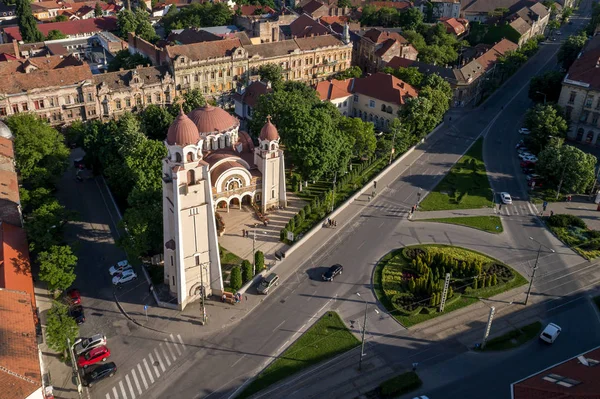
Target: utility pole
x,y
254,251
202,294
362,345
445,292
333,197
535,267
488,327
393,144
562,176
74,366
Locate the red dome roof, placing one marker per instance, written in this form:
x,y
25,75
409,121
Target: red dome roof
x,y
182,131
269,131
210,119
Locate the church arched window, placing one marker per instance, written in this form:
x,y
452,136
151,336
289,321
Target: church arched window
x,y
233,183
177,157
190,156
191,177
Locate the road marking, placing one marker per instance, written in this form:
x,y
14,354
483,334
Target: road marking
x,y
149,372
175,343
137,383
107,396
122,389
129,386
280,324
160,362
566,303
162,348
181,340
361,245
282,346
170,350
237,361
116,395
382,223
139,366
153,366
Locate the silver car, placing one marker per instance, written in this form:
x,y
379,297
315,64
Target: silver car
x,y
83,345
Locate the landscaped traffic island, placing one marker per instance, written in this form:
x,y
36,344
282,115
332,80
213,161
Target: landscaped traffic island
x,y
409,281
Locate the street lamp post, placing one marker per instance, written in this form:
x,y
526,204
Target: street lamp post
x,y
362,345
74,366
393,145
333,197
535,267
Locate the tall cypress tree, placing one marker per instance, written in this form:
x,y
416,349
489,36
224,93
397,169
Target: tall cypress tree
x,y
27,25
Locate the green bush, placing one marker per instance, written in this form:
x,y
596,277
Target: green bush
x,y
283,234
400,384
566,221
235,279
259,261
246,271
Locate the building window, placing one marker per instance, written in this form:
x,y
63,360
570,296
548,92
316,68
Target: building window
x,y
38,104
272,193
149,98
51,101
190,157
191,178
2,111
118,104
383,107
25,107
589,101
157,97
15,108
138,100
220,73
572,97
196,78
595,118
560,380
197,260
173,276
90,99
356,98
128,102
205,89
212,74
371,103
568,112
584,116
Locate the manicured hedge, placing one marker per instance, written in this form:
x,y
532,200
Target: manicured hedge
x,y
400,384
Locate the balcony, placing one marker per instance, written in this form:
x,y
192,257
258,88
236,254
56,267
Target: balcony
x,y
238,191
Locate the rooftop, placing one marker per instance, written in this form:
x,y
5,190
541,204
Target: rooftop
x,y
586,68
384,87
83,26
22,82
334,89
120,80
305,26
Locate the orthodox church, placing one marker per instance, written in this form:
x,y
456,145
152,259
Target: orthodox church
x,y
211,163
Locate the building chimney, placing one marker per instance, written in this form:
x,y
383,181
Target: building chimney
x,y
16,49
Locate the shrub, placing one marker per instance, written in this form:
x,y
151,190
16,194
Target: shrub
x,y
235,279
301,215
291,225
307,210
246,271
566,221
283,234
400,384
259,261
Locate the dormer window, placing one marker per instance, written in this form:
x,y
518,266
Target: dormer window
x,y
182,60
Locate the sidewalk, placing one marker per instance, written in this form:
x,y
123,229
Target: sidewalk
x,y
454,213
580,206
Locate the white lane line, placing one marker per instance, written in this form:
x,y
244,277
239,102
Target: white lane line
x,y
364,242
181,340
130,386
116,395
149,372
165,354
175,343
139,366
280,324
107,396
154,366
122,389
237,361
162,364
137,383
170,350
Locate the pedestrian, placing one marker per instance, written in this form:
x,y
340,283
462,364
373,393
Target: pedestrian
x,y
375,184
369,198
373,194
223,298
414,366
551,213
151,288
335,223
243,232
328,222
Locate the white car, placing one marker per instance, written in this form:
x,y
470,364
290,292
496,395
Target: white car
x,y
124,277
119,267
550,333
530,158
505,197
524,130
83,345
558,33
525,154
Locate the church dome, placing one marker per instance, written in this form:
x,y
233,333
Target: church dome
x,y
209,119
269,131
5,131
182,131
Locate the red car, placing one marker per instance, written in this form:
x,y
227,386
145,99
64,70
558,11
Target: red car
x,y
94,356
527,164
74,296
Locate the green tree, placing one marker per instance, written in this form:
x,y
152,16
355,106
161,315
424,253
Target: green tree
x,y
259,261
156,121
440,103
57,267
570,49
544,121
418,116
436,82
247,272
55,34
198,15
143,27
124,59
44,225
98,10
126,22
567,167
352,72
344,3
548,83
566,14
192,99
60,327
61,18
410,19
271,73
361,134
235,278
498,12
410,75
553,24
27,23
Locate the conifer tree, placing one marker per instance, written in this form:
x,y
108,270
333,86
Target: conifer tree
x,y
27,24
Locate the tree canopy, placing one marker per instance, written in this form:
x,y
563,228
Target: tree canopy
x,y
137,21
27,23
57,267
570,49
55,34
192,99
389,17
544,121
410,75
156,121
198,15
548,83
271,73
60,327
98,10
352,72
124,59
567,165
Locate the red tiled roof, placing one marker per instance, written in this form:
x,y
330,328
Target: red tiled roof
x,y
340,19
20,376
380,36
253,92
586,69
15,269
21,82
205,50
536,387
453,26
334,89
68,27
399,62
312,6
398,5
384,87
305,26
247,9
6,148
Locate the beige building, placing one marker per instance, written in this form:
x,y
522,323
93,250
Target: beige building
x,y
377,47
376,98
530,22
133,90
211,165
262,24
580,95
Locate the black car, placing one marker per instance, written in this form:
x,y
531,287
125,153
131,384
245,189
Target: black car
x,y
98,373
76,312
332,272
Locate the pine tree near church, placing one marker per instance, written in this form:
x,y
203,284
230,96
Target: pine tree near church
x,y
27,24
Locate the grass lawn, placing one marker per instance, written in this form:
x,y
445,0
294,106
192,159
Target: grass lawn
x,y
389,283
538,196
466,185
328,337
228,259
491,224
514,338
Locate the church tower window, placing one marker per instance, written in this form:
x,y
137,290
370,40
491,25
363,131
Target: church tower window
x,y
191,177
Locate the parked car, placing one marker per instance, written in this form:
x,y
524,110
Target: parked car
x,y
83,345
333,271
524,155
505,197
124,277
524,130
76,312
99,354
550,333
528,171
527,164
533,176
119,267
520,144
267,283
531,158
98,373
558,33
74,297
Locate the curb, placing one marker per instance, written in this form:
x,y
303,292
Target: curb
x,y
132,319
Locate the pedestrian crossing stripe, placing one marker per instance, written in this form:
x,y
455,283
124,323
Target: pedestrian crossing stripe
x,y
149,369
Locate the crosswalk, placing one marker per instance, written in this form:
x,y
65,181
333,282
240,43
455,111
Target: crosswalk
x,y
521,209
384,208
148,370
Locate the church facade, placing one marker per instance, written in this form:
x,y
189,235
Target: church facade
x,y
211,163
